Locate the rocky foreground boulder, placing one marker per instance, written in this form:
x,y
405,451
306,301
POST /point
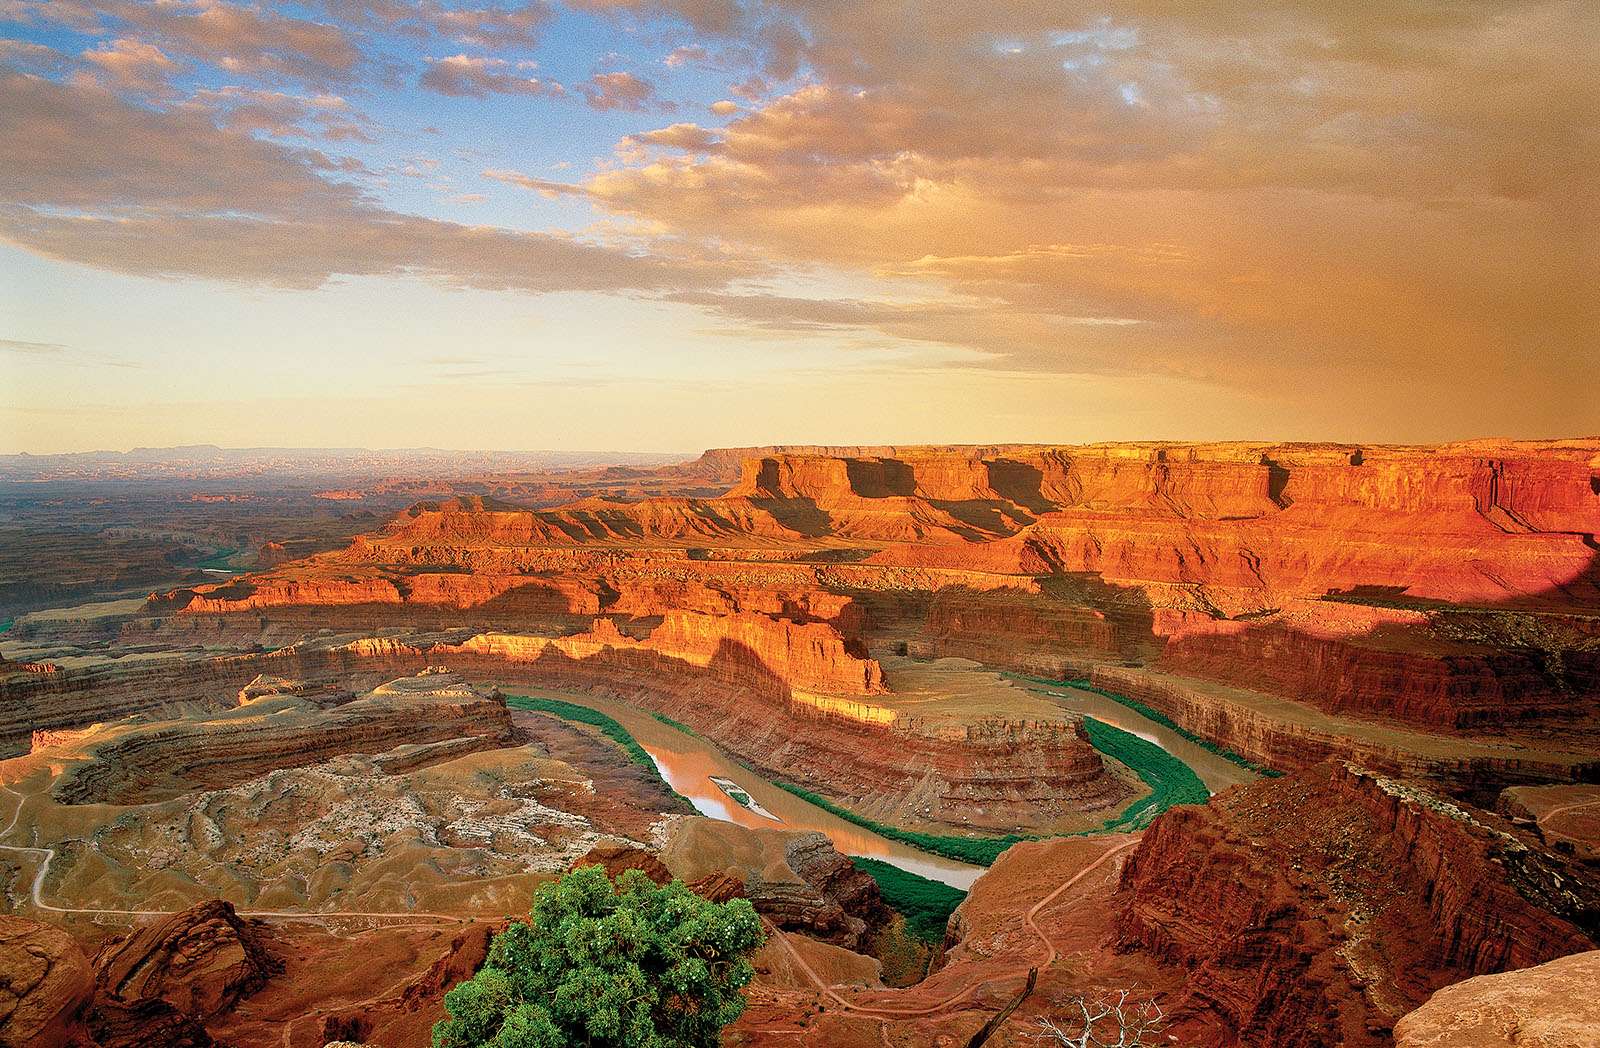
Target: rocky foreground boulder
x,y
45,983
155,986
201,961
1549,1006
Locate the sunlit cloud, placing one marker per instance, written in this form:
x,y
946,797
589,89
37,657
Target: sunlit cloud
x,y
479,77
619,90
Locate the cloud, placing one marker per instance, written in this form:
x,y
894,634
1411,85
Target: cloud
x,y
1273,196
686,136
95,180
281,114
976,332
478,77
791,313
546,188
684,55
241,39
32,349
76,146
57,353
133,65
1288,196
517,26
24,56
237,39
619,90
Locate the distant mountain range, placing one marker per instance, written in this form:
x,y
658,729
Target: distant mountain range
x,y
211,463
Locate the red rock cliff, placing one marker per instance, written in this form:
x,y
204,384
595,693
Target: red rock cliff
x,y
1317,909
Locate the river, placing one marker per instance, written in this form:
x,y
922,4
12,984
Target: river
x,y
1218,773
688,762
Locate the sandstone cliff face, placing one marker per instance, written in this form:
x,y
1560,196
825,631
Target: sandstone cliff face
x,y
1547,1006
756,652
1262,728
1216,560
1384,662
796,880
1317,909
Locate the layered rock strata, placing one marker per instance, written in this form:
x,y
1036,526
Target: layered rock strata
x,y
1277,734
139,763
1318,908
201,961
1342,576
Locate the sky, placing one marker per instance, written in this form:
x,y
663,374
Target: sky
x,y
664,226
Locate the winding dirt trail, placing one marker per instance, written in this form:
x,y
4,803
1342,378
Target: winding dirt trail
x,y
1553,812
278,915
948,1003
323,1007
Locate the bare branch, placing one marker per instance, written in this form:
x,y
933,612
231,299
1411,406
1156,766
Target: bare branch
x,y
1111,1019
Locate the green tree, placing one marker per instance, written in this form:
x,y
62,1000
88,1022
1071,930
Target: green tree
x,y
638,966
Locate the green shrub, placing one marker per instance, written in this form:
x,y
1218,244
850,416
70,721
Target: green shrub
x,y
641,966
1170,780
925,904
980,851
669,722
1151,713
595,719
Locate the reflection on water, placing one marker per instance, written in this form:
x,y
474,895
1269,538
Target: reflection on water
x,y
688,762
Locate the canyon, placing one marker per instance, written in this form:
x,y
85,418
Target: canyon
x,y
1384,661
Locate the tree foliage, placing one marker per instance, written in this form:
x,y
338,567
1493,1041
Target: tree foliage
x,y
638,966
926,904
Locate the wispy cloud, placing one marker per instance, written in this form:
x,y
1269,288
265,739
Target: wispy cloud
x,y
91,178
619,90
472,76
58,354
543,186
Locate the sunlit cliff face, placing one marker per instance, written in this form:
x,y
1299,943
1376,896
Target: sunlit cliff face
x,y
696,222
